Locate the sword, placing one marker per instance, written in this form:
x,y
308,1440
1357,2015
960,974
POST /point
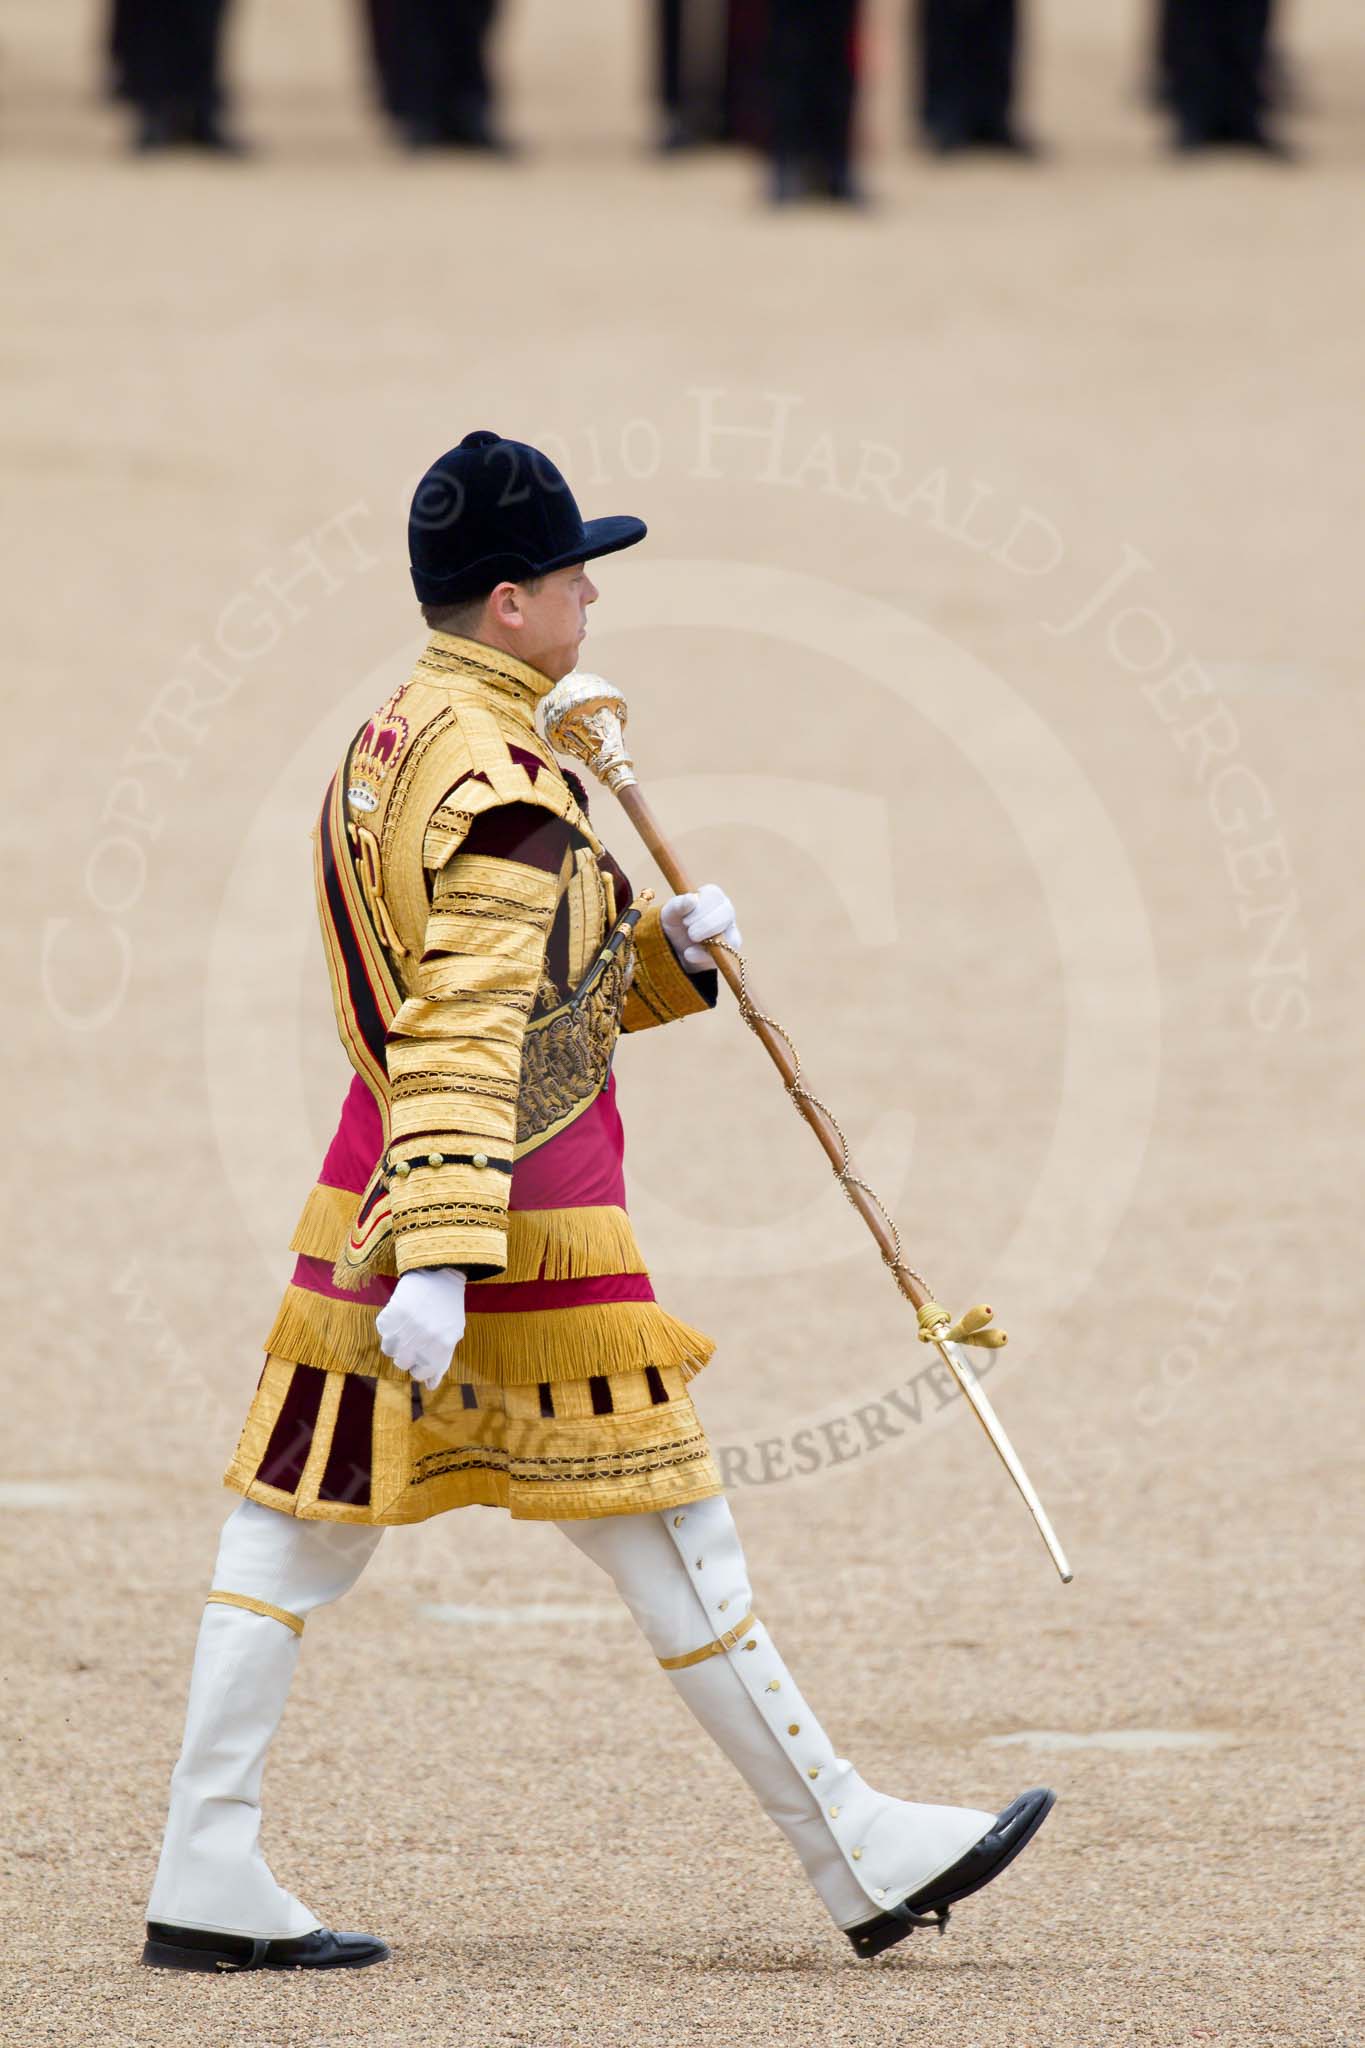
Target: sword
x,y
975,1394
584,716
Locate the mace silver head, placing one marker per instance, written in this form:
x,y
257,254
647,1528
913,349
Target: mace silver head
x,y
583,715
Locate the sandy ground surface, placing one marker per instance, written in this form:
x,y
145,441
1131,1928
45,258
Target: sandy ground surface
x,y
1004,675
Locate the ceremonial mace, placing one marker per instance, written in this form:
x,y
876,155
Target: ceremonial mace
x,y
584,715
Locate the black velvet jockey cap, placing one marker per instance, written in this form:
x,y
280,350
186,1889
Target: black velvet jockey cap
x,y
494,511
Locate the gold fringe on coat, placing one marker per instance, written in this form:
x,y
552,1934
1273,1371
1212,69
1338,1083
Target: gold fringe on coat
x,y
512,1349
327,1218
542,1244
568,1244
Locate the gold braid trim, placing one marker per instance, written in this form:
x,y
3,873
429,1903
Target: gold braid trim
x,y
451,654
325,1223
661,989
515,1349
541,1244
282,1614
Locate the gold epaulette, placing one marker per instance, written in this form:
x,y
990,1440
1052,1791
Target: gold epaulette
x,y
486,747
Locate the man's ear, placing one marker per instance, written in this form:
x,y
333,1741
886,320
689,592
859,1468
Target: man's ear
x,y
505,603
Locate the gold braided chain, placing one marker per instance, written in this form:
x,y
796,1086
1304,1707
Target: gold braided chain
x,y
843,1173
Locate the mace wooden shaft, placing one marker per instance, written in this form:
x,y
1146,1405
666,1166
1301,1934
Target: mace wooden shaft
x,y
647,825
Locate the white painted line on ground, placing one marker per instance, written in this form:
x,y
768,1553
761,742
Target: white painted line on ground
x,y
533,1612
1114,1738
48,1493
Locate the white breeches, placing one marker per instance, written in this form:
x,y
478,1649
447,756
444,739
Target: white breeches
x,y
683,1577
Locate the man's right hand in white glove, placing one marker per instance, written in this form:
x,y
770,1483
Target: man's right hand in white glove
x,y
423,1321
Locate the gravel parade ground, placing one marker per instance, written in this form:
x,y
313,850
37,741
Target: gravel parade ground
x,y
995,646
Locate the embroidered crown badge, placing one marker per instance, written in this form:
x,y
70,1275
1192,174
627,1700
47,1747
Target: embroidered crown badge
x,y
378,747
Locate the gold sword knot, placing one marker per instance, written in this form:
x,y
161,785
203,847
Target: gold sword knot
x,y
973,1326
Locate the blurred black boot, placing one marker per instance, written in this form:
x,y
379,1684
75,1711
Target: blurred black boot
x,y
813,86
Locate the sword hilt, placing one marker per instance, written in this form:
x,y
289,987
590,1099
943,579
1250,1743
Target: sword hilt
x,y
973,1326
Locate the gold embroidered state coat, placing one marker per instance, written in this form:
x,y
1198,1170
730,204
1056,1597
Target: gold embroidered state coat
x,y
484,952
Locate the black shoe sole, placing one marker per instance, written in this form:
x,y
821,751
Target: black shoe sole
x,y
1014,1829
165,1955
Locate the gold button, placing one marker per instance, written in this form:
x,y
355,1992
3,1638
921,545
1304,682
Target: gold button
x,y
834,1813
481,1159
677,1524
752,1643
435,1159
724,1603
404,1167
774,1685
857,1855
794,1728
814,1771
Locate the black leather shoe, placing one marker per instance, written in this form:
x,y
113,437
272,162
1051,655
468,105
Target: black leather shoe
x,y
1014,1829
195,1948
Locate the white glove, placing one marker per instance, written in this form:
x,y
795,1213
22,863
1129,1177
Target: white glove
x,y
706,913
423,1321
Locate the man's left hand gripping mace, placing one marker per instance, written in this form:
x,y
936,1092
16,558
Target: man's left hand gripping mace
x,y
584,716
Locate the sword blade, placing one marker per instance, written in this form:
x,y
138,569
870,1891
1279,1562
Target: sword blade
x,y
972,1388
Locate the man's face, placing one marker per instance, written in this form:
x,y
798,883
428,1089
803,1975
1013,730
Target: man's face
x,y
555,619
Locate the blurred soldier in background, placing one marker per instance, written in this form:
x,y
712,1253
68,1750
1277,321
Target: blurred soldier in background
x,y
431,57
380,20
116,50
747,113
813,57
1159,82
1215,67
711,72
967,52
167,61
691,70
